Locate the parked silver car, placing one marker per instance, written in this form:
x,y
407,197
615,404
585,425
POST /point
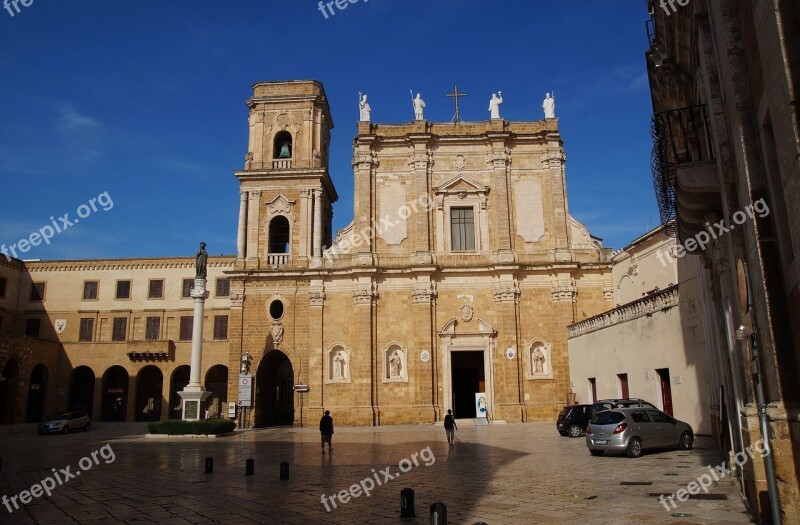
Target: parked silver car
x,y
64,422
632,430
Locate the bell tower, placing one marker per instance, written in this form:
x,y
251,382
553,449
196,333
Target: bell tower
x,y
286,202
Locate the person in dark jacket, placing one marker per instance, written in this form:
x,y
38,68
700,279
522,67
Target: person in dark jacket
x,y
326,430
449,427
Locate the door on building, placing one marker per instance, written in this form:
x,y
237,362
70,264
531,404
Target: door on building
x,y
81,390
666,389
623,386
115,394
8,391
274,391
37,394
593,388
468,378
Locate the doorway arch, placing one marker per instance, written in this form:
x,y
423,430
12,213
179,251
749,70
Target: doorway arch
x,y
149,384
9,387
217,384
37,394
81,390
274,391
179,380
115,394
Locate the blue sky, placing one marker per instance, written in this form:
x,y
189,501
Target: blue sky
x,y
145,100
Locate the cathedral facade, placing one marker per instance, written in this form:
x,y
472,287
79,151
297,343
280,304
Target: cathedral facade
x,y
452,288
454,282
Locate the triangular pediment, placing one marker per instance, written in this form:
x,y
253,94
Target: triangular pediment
x,y
280,204
462,183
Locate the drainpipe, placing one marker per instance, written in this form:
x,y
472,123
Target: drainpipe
x,y
769,460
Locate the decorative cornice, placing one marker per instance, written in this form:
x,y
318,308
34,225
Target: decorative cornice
x,y
564,292
424,294
506,293
316,298
364,160
226,262
498,161
420,161
365,296
645,306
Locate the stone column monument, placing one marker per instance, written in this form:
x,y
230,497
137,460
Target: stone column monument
x,y
194,395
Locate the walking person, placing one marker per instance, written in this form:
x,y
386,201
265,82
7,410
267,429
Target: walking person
x,y
326,430
449,427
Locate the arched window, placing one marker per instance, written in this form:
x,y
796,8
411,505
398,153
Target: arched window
x,y
279,235
282,148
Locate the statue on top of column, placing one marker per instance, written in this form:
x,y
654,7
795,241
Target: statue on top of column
x,y
201,261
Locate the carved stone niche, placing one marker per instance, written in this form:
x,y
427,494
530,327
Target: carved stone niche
x,y
337,364
538,356
395,363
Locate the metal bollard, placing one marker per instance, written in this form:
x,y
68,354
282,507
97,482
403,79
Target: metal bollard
x,y
407,503
249,467
438,513
209,465
285,470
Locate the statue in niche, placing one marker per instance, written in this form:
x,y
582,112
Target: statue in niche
x,y
494,104
201,260
538,361
340,365
549,106
277,333
363,106
395,364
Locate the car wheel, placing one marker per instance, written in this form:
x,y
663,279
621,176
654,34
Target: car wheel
x,y
575,431
634,448
87,426
596,452
685,442
65,430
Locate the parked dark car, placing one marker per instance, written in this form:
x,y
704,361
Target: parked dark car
x,y
632,430
64,422
607,404
573,420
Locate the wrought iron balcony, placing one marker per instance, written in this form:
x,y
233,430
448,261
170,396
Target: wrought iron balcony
x,y
681,138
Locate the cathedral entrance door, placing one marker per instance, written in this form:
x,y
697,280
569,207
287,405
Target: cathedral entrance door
x,y
468,378
274,391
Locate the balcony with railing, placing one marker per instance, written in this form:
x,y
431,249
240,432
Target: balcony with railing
x,y
684,169
282,164
277,260
655,302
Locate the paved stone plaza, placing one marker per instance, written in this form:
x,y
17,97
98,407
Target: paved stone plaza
x,y
503,474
